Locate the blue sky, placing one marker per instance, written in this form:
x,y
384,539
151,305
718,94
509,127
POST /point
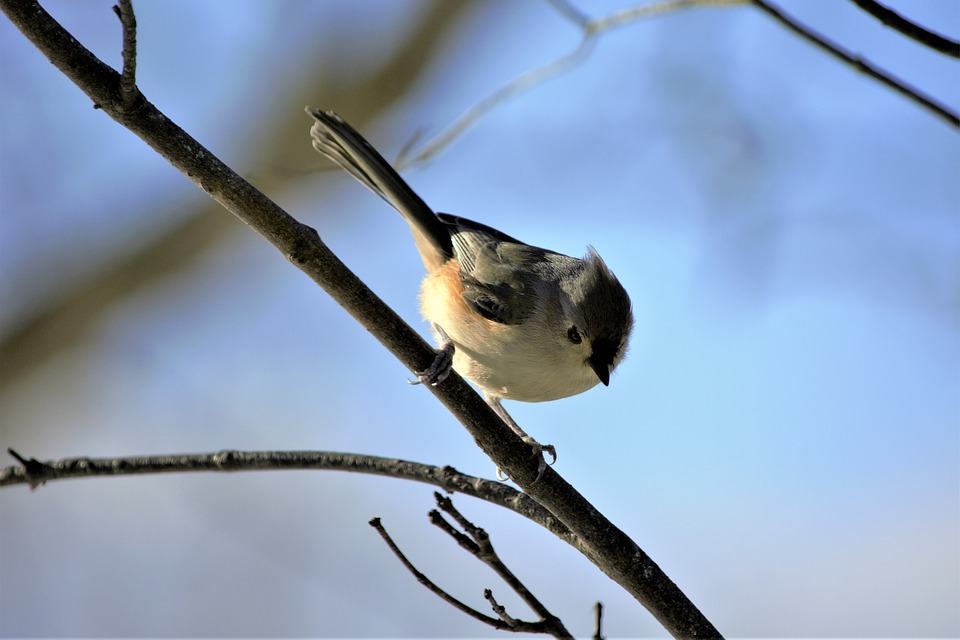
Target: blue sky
x,y
783,439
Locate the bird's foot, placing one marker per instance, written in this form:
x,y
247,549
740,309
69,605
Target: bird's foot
x,y
537,451
442,364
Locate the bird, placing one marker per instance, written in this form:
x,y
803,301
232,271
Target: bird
x,y
518,321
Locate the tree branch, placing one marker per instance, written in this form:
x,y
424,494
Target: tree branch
x,y
910,29
598,621
35,473
589,28
609,548
432,586
477,543
592,27
128,78
858,63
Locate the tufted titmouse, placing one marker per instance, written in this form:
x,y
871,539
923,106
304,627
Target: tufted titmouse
x,y
520,322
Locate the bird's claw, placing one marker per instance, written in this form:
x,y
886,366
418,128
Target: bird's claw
x,y
439,369
537,452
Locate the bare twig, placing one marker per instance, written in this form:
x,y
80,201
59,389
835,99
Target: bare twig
x,y
858,63
501,611
571,13
482,548
128,78
597,621
910,29
429,584
589,29
477,542
643,11
510,90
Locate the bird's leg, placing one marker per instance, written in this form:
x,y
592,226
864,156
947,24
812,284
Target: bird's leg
x,y
538,448
442,365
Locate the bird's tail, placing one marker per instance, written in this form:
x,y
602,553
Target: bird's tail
x,y
340,142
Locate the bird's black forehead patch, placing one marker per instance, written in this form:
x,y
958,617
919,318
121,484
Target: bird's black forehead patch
x,y
606,305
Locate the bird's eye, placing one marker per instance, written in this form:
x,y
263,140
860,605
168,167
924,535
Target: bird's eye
x,y
574,336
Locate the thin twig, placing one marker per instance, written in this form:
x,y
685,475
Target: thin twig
x,y
501,611
482,547
639,12
517,86
910,29
429,584
571,13
598,621
529,79
478,543
858,63
128,77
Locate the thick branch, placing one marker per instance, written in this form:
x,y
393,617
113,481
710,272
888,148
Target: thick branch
x,y
910,29
603,543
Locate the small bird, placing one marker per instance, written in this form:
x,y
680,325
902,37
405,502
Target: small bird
x,y
520,322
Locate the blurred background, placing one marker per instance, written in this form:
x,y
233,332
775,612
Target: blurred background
x,y
782,439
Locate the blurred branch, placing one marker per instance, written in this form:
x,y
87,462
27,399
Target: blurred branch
x,y
477,543
639,12
910,29
510,90
67,317
609,548
858,63
590,28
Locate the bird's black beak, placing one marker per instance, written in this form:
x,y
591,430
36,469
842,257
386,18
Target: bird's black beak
x,y
602,369
601,360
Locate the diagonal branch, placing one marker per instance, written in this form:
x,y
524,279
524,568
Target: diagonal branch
x,y
515,87
857,62
924,36
604,544
590,28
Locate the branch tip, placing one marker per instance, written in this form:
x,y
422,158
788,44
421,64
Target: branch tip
x,y
128,76
597,621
